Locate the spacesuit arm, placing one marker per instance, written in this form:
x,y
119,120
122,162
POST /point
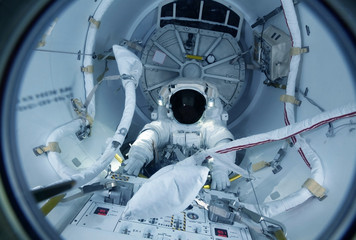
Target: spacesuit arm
x,y
219,172
153,135
218,135
145,144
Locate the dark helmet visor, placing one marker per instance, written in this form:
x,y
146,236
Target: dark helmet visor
x,y
188,106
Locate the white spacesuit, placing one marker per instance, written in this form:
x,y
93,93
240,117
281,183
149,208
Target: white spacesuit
x,y
190,117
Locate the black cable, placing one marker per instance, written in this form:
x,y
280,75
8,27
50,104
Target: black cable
x,y
52,190
265,18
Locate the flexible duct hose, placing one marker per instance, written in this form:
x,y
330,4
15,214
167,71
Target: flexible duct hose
x,y
130,68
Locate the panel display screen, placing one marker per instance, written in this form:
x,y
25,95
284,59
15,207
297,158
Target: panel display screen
x,y
221,232
101,211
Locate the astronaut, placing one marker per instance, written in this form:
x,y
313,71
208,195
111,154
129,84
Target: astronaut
x,y
190,117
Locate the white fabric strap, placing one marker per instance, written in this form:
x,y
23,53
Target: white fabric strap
x,y
315,188
298,50
96,23
290,99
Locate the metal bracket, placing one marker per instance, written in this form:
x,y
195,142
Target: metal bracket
x,y
276,161
84,132
275,84
202,204
135,45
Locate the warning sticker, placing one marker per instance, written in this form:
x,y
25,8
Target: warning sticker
x,y
159,57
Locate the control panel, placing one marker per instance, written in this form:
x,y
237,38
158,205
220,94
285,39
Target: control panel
x,y
100,217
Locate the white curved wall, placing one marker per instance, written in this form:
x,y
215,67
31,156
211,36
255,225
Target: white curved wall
x,y
50,81
53,78
326,73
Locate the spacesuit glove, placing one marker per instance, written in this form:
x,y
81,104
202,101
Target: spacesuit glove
x,y
220,179
134,163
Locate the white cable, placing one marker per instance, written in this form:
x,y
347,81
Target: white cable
x,y
286,132
293,26
130,66
85,175
276,207
89,48
130,104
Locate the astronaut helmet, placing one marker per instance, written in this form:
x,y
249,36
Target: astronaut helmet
x,y
186,100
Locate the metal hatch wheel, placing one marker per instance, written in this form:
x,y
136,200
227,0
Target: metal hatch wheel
x,y
23,21
186,52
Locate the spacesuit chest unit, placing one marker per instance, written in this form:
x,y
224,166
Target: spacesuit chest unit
x,y
186,139
186,108
185,104
194,113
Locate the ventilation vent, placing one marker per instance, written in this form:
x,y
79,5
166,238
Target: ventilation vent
x,y
275,36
